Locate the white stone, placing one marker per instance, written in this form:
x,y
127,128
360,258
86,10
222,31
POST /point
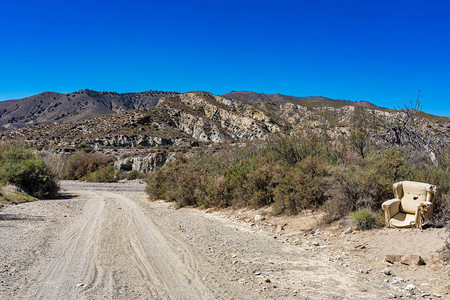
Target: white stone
x,y
259,218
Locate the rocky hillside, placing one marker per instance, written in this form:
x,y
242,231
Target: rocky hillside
x,y
182,119
313,100
49,107
197,118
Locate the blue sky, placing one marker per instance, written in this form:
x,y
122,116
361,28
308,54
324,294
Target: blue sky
x,y
380,51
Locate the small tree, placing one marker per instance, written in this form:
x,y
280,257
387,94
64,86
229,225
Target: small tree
x,y
405,129
360,130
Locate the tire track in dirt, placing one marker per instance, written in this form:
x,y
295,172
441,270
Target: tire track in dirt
x,y
112,250
73,257
159,260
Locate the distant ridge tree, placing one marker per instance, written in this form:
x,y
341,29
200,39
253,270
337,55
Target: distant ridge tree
x,y
402,129
360,130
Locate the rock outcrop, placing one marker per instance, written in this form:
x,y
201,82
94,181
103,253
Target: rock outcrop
x,y
144,163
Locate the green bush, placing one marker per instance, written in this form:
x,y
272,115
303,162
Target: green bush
x,y
80,164
302,186
132,175
22,167
257,189
157,185
104,174
364,219
180,181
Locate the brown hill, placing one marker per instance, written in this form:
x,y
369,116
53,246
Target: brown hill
x,y
199,117
49,107
318,100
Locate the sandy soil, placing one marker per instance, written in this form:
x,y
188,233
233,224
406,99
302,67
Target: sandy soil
x,y
107,241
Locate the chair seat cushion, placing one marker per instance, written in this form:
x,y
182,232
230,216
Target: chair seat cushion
x,y
403,220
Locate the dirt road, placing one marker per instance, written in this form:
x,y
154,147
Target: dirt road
x,y
107,241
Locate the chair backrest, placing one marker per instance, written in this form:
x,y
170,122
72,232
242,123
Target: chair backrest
x,y
413,193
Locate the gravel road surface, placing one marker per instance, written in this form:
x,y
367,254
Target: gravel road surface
x,y
107,241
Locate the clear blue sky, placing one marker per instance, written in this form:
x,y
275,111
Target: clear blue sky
x,y
380,51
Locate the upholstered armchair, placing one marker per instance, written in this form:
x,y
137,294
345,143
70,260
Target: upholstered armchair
x,y
412,204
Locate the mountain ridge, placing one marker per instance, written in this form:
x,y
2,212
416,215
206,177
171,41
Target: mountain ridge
x,y
195,118
48,107
257,97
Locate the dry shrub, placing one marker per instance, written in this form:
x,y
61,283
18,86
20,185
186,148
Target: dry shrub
x,y
253,182
300,172
446,250
292,150
103,174
302,186
157,184
439,176
364,183
81,164
133,175
180,181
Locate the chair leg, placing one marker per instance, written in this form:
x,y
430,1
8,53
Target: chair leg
x,y
419,217
387,218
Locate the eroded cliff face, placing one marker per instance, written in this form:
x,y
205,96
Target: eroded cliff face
x,y
209,118
144,162
193,118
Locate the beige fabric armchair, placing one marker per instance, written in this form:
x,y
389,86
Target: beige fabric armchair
x,y
411,206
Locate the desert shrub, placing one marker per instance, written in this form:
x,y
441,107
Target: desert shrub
x,y
54,161
17,197
364,219
258,180
22,167
157,184
181,181
295,173
103,174
439,176
81,164
364,183
294,149
132,175
303,186
217,192
84,147
446,249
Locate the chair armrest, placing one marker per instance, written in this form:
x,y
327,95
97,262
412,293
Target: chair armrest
x,y
391,208
393,204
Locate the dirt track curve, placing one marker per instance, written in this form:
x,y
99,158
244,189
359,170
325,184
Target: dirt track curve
x,y
107,241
